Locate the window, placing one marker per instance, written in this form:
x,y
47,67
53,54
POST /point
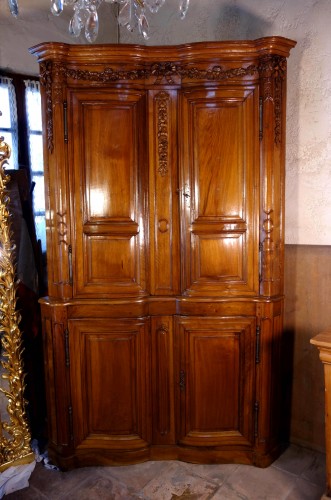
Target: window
x,y
35,145
21,126
8,119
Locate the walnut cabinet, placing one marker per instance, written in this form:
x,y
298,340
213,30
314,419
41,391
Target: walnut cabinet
x,y
164,174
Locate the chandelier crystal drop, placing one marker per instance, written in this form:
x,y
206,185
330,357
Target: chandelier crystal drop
x,y
132,14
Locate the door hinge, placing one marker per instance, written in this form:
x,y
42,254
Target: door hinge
x,y
182,380
66,343
256,418
260,261
71,425
70,264
65,121
257,347
261,118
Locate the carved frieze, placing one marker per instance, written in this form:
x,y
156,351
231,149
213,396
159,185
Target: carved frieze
x,y
52,77
272,70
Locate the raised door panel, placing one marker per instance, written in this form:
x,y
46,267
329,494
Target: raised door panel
x,y
216,378
220,191
110,373
110,185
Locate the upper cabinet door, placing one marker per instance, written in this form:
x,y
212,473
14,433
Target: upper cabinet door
x,y
110,191
219,190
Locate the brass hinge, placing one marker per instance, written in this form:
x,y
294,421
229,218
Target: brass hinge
x,y
256,418
182,380
71,426
257,347
65,121
66,344
70,263
260,261
261,118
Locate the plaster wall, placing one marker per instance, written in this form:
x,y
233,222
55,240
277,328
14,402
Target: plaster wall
x,y
308,166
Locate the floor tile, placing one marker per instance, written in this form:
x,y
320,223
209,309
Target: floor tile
x,y
305,490
56,483
98,487
137,476
177,483
260,484
29,493
299,474
295,459
217,473
316,472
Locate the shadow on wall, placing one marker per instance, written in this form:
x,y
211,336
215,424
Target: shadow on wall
x,y
237,23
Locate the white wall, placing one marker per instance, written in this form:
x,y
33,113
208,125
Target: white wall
x,y
36,24
308,198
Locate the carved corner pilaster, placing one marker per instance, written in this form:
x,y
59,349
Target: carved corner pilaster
x,y
52,78
272,71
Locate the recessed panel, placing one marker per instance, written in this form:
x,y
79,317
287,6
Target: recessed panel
x,y
111,388
108,160
218,159
220,258
110,258
216,396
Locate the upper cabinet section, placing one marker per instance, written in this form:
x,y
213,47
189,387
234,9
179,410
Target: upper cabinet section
x,y
164,168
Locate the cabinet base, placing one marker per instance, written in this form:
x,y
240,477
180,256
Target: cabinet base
x,y
104,457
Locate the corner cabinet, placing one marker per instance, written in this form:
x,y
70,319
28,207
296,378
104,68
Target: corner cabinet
x,y
164,175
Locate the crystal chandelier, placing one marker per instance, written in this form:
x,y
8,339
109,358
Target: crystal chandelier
x,y
132,14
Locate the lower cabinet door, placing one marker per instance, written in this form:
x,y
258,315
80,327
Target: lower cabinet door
x,y
110,377
216,368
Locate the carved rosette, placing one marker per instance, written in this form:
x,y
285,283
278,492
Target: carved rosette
x,y
272,70
162,102
15,436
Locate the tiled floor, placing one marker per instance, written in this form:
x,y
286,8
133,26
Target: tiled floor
x,y
298,474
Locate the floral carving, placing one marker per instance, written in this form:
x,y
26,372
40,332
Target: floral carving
x,y
46,81
162,99
168,71
273,71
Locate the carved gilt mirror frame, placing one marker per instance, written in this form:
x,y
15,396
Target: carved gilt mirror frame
x,y
14,430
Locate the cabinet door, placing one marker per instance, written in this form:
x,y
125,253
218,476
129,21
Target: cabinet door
x,y
110,372
109,192
216,376
219,177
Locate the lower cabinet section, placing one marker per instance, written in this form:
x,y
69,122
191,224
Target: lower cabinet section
x,y
125,390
